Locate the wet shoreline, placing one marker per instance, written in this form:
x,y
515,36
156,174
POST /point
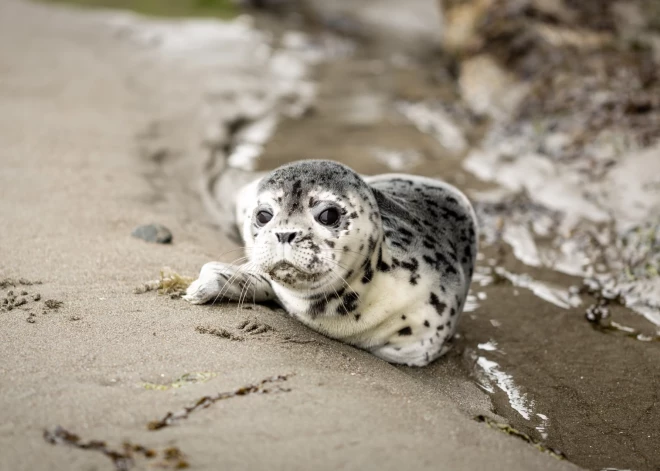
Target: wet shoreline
x,y
581,390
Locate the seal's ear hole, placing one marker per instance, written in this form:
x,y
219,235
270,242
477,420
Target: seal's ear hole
x,y
328,217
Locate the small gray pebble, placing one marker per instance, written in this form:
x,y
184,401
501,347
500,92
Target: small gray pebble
x,y
20,302
36,297
153,233
24,293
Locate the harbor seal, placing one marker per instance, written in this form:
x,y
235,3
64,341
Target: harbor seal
x,y
383,263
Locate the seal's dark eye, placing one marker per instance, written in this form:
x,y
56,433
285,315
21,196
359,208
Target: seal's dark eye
x,y
329,217
264,217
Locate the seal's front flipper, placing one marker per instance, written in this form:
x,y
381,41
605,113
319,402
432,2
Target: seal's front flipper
x,y
220,281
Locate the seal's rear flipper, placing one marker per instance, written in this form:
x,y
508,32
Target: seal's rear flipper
x,y
221,186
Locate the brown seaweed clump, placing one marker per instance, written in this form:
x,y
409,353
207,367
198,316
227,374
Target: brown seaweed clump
x,y
170,283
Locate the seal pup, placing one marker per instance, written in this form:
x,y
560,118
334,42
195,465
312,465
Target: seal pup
x,y
383,263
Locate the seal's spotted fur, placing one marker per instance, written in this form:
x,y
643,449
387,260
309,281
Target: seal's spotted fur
x,y
390,276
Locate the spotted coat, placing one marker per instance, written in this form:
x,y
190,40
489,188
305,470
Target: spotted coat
x,y
390,275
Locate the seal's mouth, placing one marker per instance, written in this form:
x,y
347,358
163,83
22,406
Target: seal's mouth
x,y
289,274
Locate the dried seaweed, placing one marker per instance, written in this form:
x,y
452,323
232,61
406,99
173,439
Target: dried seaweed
x,y
206,401
297,340
218,332
53,304
124,460
170,283
598,316
509,430
6,282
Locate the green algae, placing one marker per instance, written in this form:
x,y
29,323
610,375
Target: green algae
x,y
174,8
183,380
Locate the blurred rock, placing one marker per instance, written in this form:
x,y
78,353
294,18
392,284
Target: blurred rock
x,y
488,89
461,22
155,233
395,24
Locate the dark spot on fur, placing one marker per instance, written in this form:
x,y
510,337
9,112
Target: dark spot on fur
x,y
426,324
435,302
318,307
412,265
368,274
405,331
372,244
348,304
452,214
382,266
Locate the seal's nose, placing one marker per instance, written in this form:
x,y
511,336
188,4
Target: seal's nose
x,y
285,237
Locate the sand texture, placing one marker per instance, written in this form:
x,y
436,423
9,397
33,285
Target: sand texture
x,y
81,111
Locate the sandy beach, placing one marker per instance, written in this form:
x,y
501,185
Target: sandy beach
x,y
111,120
77,103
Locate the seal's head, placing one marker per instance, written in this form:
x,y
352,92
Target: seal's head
x,y
315,224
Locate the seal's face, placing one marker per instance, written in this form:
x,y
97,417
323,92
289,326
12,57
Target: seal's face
x,y
314,225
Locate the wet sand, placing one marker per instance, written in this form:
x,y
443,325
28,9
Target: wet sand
x,y
83,112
